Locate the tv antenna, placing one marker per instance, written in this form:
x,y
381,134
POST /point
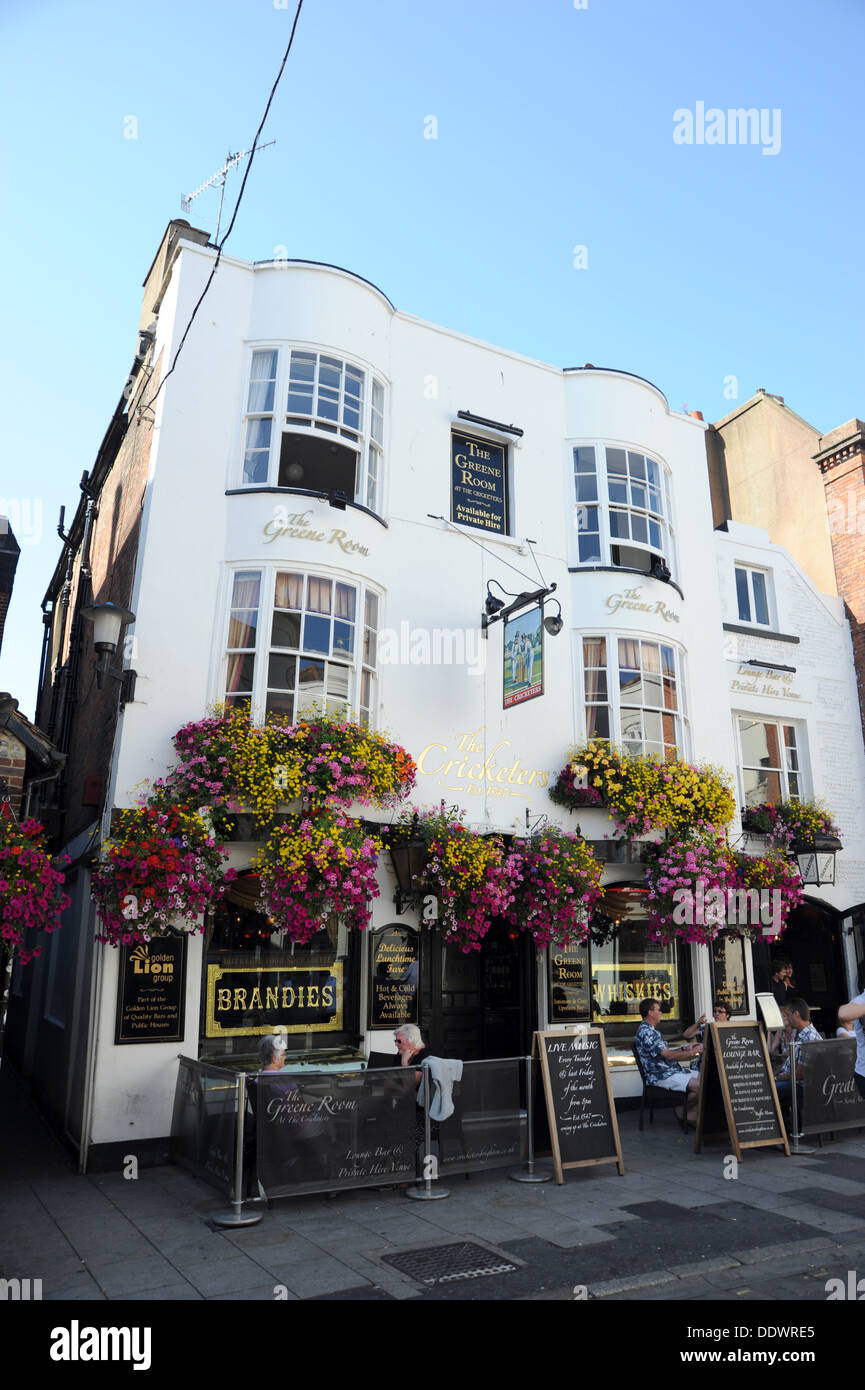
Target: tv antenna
x,y
218,179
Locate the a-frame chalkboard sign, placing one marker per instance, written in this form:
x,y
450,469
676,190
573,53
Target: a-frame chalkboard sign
x,y
580,1109
737,1094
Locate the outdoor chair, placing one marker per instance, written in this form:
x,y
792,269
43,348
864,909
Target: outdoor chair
x,y
658,1093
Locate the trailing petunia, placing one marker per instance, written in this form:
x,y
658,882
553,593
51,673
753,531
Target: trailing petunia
x,y
688,883
472,877
314,865
161,863
30,897
789,821
559,885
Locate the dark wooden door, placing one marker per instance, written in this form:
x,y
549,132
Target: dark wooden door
x,y
478,1004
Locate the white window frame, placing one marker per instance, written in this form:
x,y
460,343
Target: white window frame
x,y
665,519
749,571
363,661
367,442
799,731
613,701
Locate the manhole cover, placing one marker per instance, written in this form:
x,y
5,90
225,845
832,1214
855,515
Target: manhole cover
x,y
443,1264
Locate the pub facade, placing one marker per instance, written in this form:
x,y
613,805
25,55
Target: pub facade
x,y
330,501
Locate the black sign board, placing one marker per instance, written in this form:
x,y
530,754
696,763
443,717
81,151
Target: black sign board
x,y
580,1108
737,1094
331,1130
151,992
488,1127
830,1096
395,977
250,999
479,490
569,984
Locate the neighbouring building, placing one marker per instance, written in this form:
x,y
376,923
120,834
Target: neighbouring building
x,y
314,506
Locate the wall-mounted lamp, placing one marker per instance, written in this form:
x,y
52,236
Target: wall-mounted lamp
x,y
496,610
816,859
108,621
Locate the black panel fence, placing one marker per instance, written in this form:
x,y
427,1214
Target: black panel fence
x,y
314,1132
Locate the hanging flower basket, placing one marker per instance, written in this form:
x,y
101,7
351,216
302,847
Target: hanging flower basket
x,y
342,762
688,882
779,884
559,885
161,863
316,865
30,898
568,789
644,794
789,822
472,876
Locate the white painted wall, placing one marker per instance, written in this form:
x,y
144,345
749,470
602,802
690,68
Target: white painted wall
x,y
430,577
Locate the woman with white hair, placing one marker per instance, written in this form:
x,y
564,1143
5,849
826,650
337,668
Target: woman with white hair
x,y
410,1045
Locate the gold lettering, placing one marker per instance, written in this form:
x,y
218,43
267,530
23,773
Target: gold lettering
x,y
312,996
327,996
286,991
422,759
223,999
255,998
240,999
524,777
271,998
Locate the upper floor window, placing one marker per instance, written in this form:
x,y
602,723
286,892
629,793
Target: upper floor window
x,y
752,595
623,509
634,695
297,639
330,435
769,761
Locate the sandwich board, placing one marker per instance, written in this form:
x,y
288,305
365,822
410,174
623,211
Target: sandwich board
x,y
580,1109
737,1094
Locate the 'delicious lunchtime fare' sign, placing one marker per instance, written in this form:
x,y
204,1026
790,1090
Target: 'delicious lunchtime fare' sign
x,y
394,983
249,1000
737,1095
580,1108
151,992
479,483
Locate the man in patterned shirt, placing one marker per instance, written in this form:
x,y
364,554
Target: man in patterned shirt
x,y
661,1064
798,1015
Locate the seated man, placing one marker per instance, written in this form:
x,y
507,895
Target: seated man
x,y
797,1016
661,1064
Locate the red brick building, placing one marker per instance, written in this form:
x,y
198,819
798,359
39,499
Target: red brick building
x,y
841,460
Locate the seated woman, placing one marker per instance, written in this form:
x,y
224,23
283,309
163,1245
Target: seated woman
x,y
413,1051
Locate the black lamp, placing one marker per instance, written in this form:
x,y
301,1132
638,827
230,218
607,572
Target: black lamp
x,y
816,858
409,856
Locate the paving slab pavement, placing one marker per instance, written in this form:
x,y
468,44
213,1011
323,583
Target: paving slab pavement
x,y
674,1227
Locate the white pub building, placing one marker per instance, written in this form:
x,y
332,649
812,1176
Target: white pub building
x,y
317,505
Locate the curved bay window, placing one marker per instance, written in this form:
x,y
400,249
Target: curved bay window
x,y
623,509
256,981
297,639
329,437
634,692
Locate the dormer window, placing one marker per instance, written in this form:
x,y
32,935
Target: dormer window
x,y
331,433
623,511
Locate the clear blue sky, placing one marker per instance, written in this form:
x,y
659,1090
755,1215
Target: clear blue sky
x,y
555,130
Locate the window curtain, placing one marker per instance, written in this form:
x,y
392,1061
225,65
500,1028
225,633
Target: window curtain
x,y
289,591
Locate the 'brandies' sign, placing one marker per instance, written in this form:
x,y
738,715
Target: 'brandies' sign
x,y
249,1000
479,494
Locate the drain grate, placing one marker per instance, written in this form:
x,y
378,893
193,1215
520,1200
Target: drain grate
x,y
443,1264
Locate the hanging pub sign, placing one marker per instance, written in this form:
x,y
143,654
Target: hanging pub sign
x,y
250,999
395,977
523,651
479,495
151,992
569,984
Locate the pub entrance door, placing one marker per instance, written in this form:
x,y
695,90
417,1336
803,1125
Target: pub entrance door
x,y
479,1004
812,943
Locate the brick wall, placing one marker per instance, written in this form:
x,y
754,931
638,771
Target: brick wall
x,y
13,757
